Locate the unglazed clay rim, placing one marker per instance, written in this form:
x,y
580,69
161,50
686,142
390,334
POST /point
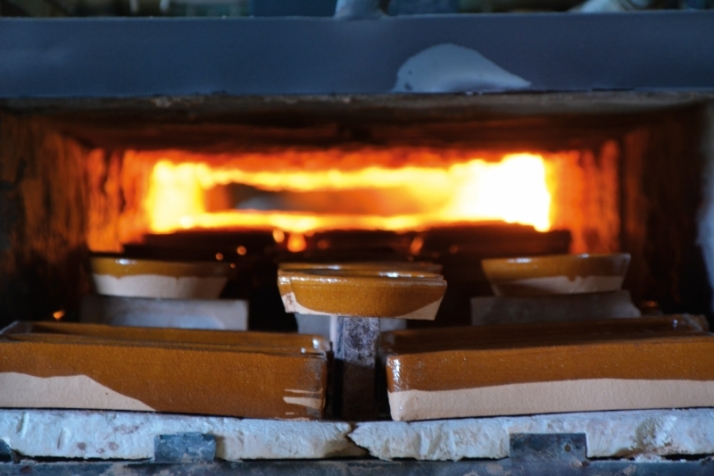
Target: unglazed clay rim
x,y
508,270
287,270
366,278
424,266
120,267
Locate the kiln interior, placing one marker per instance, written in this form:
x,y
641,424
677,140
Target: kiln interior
x,y
258,182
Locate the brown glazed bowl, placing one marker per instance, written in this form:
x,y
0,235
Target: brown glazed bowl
x,y
557,274
285,270
159,279
366,292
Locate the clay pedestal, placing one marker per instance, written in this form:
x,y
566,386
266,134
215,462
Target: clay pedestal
x,y
493,310
223,314
355,357
326,326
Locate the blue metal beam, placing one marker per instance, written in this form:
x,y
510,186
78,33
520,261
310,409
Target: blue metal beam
x,y
124,57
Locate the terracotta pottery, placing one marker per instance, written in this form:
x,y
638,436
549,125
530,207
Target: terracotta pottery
x,y
274,341
557,274
362,292
286,270
478,337
53,365
665,362
159,279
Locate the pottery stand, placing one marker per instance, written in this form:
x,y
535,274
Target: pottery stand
x,y
493,310
354,343
224,314
326,326
355,358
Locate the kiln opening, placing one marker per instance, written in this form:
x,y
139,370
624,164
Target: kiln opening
x,y
331,179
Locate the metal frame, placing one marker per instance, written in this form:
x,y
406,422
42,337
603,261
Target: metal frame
x,y
124,57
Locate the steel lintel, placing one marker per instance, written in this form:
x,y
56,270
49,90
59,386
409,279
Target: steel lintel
x,y
469,53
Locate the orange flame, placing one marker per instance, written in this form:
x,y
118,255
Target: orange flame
x,y
513,190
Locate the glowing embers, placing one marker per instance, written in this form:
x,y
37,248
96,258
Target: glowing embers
x,y
301,198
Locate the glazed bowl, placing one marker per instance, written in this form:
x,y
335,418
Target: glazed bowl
x,y
285,270
159,279
365,292
556,274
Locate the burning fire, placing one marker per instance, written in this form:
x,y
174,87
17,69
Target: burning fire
x,y
410,197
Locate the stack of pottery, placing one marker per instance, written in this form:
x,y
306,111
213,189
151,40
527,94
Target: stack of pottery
x,y
323,322
554,289
355,300
151,293
531,364
155,368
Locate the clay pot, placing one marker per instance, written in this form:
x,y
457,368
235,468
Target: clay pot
x,y
159,279
363,290
557,274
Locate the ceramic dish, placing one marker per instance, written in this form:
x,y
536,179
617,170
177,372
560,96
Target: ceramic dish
x,y
159,279
557,274
89,366
285,270
549,368
362,292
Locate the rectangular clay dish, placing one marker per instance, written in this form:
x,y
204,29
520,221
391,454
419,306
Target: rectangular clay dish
x,y
551,372
272,341
243,374
535,334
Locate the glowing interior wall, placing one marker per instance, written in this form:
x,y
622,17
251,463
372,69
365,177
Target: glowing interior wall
x,y
396,189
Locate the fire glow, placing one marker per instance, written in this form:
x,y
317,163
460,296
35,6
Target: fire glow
x,y
411,197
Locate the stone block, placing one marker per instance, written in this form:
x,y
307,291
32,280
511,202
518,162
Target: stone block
x,y
629,434
131,435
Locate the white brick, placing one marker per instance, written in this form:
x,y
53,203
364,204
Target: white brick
x,y
130,436
609,434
